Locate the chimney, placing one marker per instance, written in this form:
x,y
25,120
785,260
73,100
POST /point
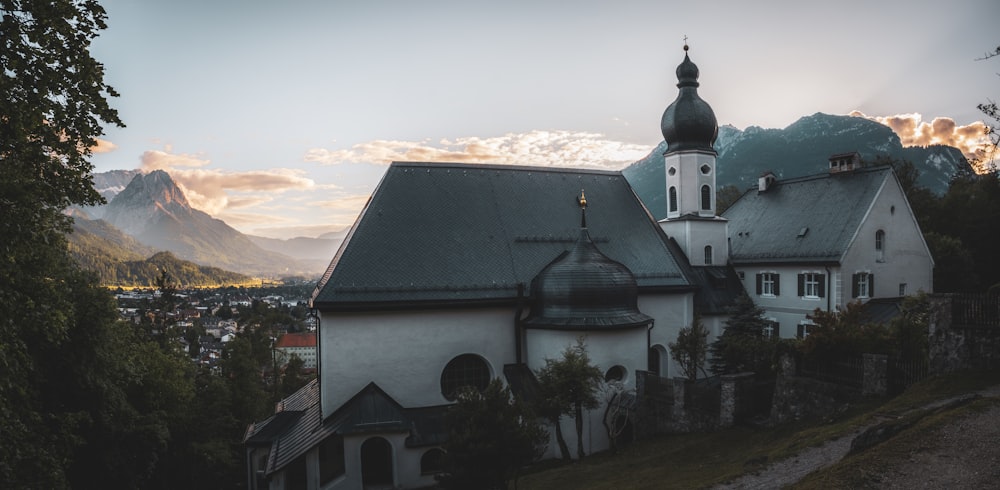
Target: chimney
x,y
844,162
765,180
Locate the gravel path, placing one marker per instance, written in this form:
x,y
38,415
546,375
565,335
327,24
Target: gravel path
x,y
964,454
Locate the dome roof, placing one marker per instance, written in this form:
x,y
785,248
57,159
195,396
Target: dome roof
x,y
689,122
583,289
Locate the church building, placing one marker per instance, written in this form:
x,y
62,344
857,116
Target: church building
x,y
456,274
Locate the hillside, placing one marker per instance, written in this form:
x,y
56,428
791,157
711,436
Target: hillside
x,y
800,149
932,416
119,260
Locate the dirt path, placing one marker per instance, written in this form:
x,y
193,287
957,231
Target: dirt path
x,y
965,454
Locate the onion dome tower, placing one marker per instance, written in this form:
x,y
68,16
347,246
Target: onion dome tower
x,y
689,128
689,122
583,289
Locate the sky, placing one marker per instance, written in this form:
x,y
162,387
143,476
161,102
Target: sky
x,y
281,117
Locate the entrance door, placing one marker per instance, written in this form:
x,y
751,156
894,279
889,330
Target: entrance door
x,y
376,463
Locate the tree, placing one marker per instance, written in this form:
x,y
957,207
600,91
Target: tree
x,y
51,111
691,348
991,111
742,345
570,384
725,197
491,435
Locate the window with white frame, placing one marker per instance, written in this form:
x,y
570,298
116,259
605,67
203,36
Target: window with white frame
x,y
768,284
812,285
863,285
880,246
803,329
770,330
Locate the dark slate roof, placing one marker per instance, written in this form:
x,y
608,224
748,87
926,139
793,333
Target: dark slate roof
x,y
298,425
584,289
689,123
720,286
807,219
881,310
437,233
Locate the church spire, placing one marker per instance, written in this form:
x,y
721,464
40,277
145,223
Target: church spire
x,y
689,122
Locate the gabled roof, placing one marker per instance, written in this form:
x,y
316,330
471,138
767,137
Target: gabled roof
x,y
720,286
807,219
437,233
299,426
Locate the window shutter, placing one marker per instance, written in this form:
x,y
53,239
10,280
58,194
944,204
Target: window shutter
x,y
802,284
800,329
855,286
822,284
777,283
871,285
777,330
759,280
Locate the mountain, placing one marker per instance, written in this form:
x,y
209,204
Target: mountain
x,y
800,149
314,253
108,185
119,260
154,211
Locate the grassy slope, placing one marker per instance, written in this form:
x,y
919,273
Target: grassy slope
x,y
702,460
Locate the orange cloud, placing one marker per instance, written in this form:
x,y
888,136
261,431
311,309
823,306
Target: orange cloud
x,y
971,139
210,190
540,148
103,146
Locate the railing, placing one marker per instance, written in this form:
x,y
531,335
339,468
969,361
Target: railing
x,y
903,373
975,310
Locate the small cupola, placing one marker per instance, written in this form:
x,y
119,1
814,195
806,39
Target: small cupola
x,y
689,122
583,289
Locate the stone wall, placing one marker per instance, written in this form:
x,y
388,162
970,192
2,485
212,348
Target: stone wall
x,y
963,333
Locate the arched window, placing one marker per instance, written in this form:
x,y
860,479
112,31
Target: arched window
x,y
432,462
880,246
706,198
464,370
708,255
673,199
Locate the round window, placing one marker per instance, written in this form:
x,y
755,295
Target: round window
x,y
705,169
465,370
616,373
672,171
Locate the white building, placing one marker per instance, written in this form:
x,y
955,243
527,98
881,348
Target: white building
x,y
455,274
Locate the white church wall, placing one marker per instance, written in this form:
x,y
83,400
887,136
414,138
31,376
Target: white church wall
x,y
405,352
671,313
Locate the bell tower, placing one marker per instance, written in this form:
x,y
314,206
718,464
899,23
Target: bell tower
x,y
689,127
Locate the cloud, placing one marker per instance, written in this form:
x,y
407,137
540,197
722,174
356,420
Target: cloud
x,y
213,190
913,131
103,146
537,147
348,203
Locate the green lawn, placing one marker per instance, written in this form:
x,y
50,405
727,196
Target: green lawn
x,y
702,460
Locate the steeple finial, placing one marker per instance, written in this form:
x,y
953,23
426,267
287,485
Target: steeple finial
x,y
685,42
582,201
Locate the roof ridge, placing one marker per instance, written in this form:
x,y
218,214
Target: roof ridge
x,y
494,166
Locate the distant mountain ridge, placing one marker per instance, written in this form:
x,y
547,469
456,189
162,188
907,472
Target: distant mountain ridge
x,y
800,149
153,210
